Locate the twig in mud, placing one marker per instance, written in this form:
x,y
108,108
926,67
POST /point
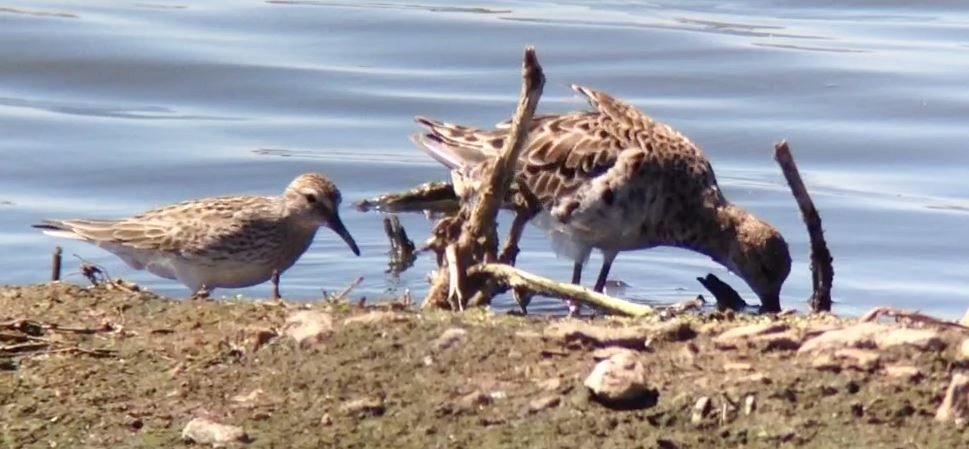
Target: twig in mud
x,y
94,273
477,242
346,291
20,338
822,272
727,298
23,347
683,307
98,353
401,247
430,196
55,264
527,283
914,316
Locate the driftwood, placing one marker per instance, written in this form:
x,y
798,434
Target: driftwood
x,y
727,298
55,264
430,196
401,247
875,314
477,240
526,283
822,272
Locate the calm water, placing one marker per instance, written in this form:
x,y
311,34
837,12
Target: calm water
x,y
111,108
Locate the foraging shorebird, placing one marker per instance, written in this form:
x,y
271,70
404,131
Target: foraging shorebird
x,y
231,241
617,180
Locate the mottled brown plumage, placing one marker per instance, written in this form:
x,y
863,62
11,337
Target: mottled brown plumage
x,y
615,179
232,241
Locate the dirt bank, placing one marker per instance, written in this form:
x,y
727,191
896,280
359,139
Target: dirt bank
x,y
90,367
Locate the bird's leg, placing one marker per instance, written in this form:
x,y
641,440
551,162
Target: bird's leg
x,y
576,278
275,280
607,258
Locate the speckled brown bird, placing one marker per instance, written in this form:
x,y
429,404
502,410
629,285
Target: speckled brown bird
x,y
617,180
231,241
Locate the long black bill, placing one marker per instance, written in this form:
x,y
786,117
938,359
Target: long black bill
x,y
337,226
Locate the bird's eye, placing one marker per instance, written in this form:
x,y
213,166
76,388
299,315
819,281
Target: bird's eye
x,y
310,198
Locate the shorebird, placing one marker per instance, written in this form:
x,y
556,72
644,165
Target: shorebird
x,y
230,241
617,180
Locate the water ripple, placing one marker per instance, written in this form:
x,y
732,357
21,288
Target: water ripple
x,y
95,110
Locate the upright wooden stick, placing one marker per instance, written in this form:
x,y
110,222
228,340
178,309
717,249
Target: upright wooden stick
x,y
822,272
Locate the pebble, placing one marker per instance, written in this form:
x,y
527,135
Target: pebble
x,y
701,409
621,377
204,431
309,327
906,372
364,407
955,405
449,339
544,403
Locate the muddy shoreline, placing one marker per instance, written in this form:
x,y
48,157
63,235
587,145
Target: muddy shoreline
x,y
110,368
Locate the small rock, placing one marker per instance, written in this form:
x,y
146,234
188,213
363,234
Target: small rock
x,y
326,420
204,431
609,351
737,366
857,336
248,398
527,334
376,317
309,327
825,362
955,405
859,359
700,410
621,377
449,339
906,372
475,399
580,331
780,341
364,407
757,378
551,384
750,404
674,331
922,339
738,334
869,335
261,337
964,349
543,403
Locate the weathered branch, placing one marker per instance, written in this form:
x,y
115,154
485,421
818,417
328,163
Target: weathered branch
x,y
430,196
822,272
55,264
477,242
526,284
